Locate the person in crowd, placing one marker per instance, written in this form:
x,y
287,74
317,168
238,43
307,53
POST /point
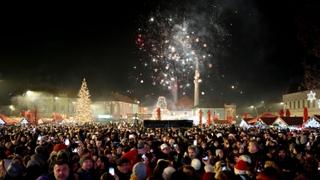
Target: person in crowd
x,y
123,170
101,166
61,171
285,163
167,173
29,152
139,171
256,155
86,171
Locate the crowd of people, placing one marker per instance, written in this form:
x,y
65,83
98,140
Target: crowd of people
x,y
123,151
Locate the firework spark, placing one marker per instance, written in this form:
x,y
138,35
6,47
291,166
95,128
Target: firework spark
x,y
172,48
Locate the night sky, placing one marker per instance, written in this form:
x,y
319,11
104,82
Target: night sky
x,y
260,51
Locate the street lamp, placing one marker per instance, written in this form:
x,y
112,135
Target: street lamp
x,y
283,106
255,108
12,108
29,93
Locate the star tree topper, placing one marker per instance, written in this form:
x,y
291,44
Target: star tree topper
x,y
311,96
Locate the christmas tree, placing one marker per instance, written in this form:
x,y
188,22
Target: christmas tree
x,y
83,106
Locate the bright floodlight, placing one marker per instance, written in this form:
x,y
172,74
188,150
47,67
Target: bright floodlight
x,y
12,108
29,93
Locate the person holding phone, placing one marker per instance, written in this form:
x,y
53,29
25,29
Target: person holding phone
x,y
101,166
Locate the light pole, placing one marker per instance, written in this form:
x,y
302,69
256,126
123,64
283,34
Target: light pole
x,y
31,97
196,84
55,103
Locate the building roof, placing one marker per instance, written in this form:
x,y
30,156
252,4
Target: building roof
x,y
293,121
317,117
114,96
250,121
7,120
268,120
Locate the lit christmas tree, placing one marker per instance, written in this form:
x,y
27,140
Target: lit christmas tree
x,y
83,106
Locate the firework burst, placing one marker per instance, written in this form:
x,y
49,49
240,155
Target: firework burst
x,y
171,48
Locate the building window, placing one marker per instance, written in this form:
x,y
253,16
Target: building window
x,y
298,105
294,104
289,105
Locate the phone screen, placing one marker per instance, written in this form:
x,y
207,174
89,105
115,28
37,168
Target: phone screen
x,y
144,157
111,171
67,142
195,142
205,158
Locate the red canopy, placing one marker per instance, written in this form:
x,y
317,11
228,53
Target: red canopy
x,y
287,113
158,111
200,117
305,114
208,118
281,113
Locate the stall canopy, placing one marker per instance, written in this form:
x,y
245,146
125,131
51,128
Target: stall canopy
x,y
313,122
24,121
2,122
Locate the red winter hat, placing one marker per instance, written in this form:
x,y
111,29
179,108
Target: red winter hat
x,y
59,147
241,167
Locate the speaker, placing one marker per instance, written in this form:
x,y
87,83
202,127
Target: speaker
x,y
167,123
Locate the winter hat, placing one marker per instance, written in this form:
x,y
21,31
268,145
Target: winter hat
x,y
245,158
59,147
122,161
14,169
105,160
167,172
40,150
196,164
140,171
164,145
241,167
63,155
42,178
162,161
